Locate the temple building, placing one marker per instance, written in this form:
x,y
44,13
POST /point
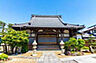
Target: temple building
x,y
48,31
89,32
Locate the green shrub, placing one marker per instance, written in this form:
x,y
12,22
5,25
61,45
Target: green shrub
x,y
73,52
3,56
24,48
85,48
74,44
71,44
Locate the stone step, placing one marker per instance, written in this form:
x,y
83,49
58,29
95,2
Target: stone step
x,y
48,47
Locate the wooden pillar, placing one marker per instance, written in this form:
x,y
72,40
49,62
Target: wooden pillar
x,y
61,34
57,35
30,33
70,32
36,35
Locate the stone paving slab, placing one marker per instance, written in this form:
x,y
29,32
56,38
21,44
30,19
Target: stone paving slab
x,y
49,57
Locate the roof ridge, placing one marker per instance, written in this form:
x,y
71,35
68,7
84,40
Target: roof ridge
x,y
45,16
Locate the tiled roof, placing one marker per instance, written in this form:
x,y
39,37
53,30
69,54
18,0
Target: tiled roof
x,y
89,29
47,21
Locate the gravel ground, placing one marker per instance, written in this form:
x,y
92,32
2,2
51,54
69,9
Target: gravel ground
x,y
20,60
24,58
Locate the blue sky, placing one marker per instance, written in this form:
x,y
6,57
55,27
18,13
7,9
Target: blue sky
x,y
72,11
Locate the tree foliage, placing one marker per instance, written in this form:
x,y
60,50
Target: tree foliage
x,y
74,44
10,25
91,43
81,43
3,56
16,39
3,25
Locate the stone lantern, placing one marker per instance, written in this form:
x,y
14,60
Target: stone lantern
x,y
62,47
34,48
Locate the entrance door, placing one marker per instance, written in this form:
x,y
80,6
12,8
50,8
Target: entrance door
x,y
47,42
47,39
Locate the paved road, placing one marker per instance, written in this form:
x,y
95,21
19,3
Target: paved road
x,y
50,57
86,60
82,59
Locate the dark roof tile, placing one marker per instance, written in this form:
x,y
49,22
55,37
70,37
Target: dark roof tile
x,y
47,21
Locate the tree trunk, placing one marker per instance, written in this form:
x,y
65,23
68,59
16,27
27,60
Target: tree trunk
x,y
91,49
16,50
5,48
12,49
